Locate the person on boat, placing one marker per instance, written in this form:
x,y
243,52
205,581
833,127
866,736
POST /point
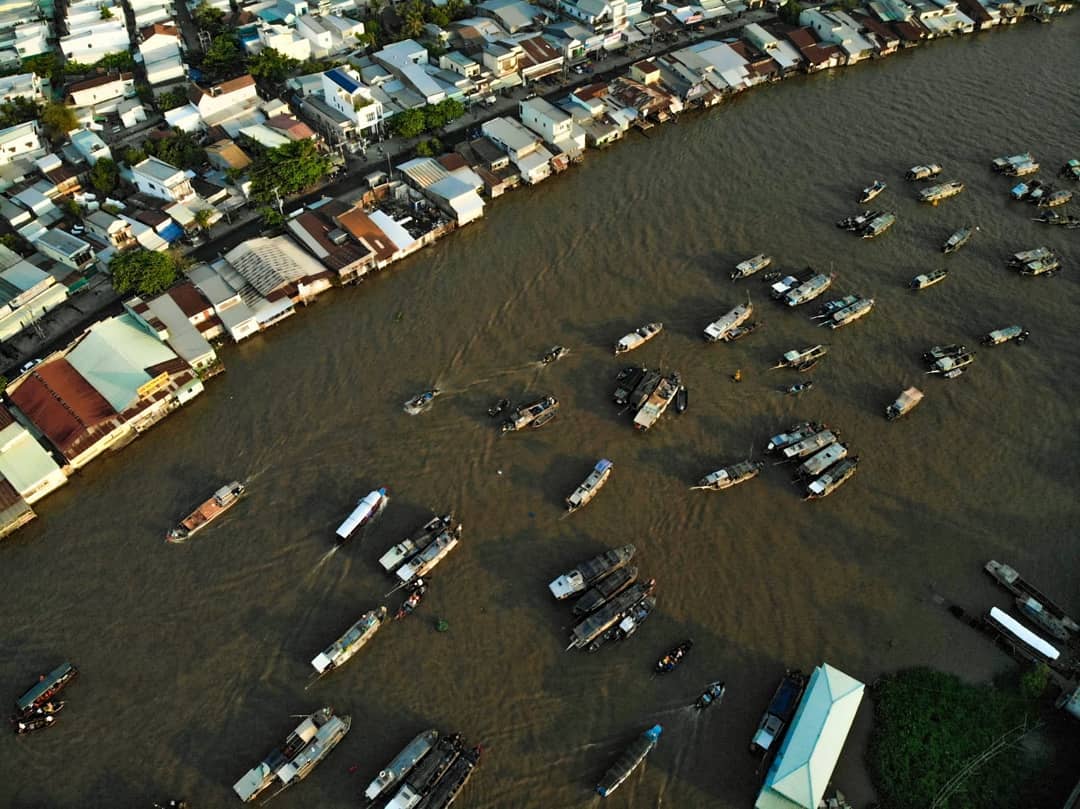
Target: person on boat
x,y
737,376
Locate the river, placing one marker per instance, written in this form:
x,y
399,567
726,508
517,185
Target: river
x,y
194,656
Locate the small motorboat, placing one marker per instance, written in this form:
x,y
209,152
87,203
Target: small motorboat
x,y
928,279
552,354
682,400
745,329
37,718
871,191
411,602
769,277
498,407
673,658
799,387
714,692
422,402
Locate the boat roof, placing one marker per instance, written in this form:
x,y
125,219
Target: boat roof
x,y
50,680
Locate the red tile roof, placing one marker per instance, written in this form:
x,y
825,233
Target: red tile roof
x,y
451,161
197,93
296,130
359,224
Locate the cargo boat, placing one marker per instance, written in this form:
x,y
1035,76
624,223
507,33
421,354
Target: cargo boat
x,y
1016,165
850,314
658,402
1034,613
809,289
720,329
923,172
532,415
367,509
584,493
629,761
222,500
728,476
604,590
781,710
1025,257
829,307
831,480
878,225
1041,266
999,336
425,561
401,764
952,366
802,359
625,382
871,191
1012,581
822,460
609,614
793,435
744,269
936,193
958,239
939,352
304,748
341,651
47,687
808,445
858,221
638,337
928,279
420,539
427,773
628,625
905,403
590,571
448,787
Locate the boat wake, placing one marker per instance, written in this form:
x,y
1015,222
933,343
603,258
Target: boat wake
x,y
323,560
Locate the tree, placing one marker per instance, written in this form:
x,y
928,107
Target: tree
x,y
134,156
429,148
457,9
439,115
272,66
106,13
171,99
413,19
58,120
286,170
202,218
790,11
45,65
224,57
178,149
210,19
121,60
408,123
17,111
104,176
144,272
438,16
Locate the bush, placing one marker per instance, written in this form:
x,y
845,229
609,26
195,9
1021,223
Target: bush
x,y
144,272
430,148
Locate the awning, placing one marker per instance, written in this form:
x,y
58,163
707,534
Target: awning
x,y
171,232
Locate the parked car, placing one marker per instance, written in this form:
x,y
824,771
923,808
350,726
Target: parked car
x,y
29,366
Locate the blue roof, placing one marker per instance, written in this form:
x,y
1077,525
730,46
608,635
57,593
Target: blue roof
x,y
343,80
171,232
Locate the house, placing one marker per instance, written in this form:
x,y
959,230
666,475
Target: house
x,y
111,384
786,55
837,28
277,269
21,141
512,15
454,192
102,93
317,230
817,55
346,94
224,102
407,60
158,179
161,49
594,13
32,38
539,58
286,41
110,230
803,766
554,125
368,229
523,147
89,144
264,136
90,42
237,319
69,250
25,466
26,293
289,127
165,320
457,62
151,12
942,19
225,155
21,85
197,308
329,34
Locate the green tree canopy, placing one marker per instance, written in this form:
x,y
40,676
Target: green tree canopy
x,y
208,18
145,272
413,19
18,111
290,168
225,56
179,149
171,99
104,176
272,66
439,115
58,120
408,123
790,11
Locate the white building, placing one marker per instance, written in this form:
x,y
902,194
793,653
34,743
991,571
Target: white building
x,y
21,85
21,140
160,49
24,463
226,101
838,29
158,179
344,92
67,249
26,293
87,44
552,124
329,34
524,148
32,38
780,51
407,60
90,145
286,41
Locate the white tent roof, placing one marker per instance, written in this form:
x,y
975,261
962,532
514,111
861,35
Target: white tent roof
x,y
805,761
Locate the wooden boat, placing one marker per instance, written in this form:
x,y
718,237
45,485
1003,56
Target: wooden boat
x,y
871,191
674,657
928,279
905,403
